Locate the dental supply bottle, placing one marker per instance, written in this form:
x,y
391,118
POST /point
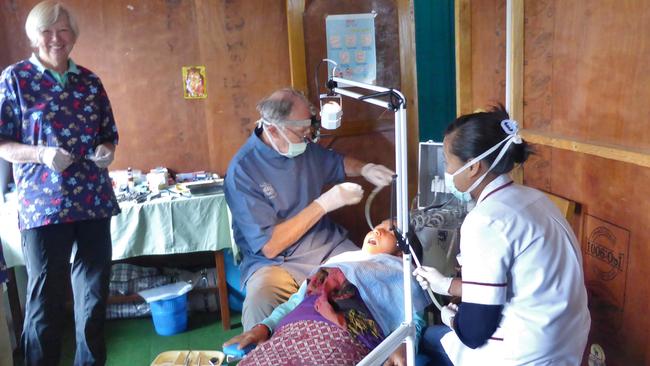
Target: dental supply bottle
x,y
130,183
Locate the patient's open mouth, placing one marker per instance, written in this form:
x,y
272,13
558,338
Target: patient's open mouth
x,y
372,242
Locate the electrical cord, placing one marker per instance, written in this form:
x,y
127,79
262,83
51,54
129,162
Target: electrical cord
x,y
318,68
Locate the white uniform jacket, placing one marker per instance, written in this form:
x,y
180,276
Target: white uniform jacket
x,y
519,251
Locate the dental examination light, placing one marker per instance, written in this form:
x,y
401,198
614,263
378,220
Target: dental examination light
x,y
395,101
331,104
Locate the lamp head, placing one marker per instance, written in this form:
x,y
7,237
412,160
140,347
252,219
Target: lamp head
x,y
330,111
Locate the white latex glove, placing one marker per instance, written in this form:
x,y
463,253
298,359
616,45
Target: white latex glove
x,y
55,158
448,313
340,195
376,174
103,156
429,277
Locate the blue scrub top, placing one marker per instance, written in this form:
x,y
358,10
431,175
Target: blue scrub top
x,y
264,188
36,110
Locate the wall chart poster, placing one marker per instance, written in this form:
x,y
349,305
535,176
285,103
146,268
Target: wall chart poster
x,y
194,83
351,44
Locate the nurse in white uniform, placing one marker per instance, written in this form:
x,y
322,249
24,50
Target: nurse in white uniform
x,y
523,296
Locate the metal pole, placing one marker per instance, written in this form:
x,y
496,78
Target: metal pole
x,y
406,332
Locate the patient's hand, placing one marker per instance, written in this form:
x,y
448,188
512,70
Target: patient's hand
x,y
323,306
256,335
397,358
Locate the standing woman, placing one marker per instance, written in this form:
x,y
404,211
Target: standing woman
x,y
57,127
524,300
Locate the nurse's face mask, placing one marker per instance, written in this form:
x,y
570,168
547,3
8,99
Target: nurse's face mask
x,y
293,148
511,128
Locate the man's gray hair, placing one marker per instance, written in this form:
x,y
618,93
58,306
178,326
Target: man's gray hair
x,y
277,107
45,14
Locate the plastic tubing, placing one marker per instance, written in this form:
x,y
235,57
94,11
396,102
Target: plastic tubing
x,y
371,197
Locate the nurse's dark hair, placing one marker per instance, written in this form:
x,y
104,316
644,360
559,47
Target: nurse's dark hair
x,y
475,133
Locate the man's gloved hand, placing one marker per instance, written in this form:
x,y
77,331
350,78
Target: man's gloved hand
x,y
448,313
376,174
429,277
103,156
55,158
340,195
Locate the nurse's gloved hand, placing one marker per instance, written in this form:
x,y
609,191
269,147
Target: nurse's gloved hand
x,y
340,195
103,156
377,174
55,158
429,277
448,313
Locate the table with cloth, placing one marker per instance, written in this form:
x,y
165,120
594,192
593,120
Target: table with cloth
x,y
162,226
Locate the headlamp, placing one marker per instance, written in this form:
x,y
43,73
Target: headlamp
x,y
315,129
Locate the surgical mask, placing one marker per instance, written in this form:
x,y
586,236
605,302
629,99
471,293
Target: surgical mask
x,y
451,187
511,128
293,149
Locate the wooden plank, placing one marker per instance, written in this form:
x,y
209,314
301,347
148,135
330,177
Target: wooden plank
x,y
463,45
515,68
224,307
637,156
408,71
297,63
566,207
515,59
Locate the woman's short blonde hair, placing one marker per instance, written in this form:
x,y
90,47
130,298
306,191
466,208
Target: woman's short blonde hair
x,y
45,14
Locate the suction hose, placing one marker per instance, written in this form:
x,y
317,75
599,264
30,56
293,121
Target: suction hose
x,y
371,198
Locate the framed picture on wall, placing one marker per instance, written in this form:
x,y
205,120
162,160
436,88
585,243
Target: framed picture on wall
x,y
194,82
351,44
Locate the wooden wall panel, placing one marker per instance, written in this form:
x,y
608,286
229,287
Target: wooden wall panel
x,y
585,80
376,146
12,35
366,132
602,51
138,49
387,46
488,39
613,192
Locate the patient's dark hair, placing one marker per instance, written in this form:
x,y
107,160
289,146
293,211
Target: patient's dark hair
x,y
475,133
414,241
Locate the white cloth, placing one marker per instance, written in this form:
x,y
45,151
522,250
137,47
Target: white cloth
x,y
518,251
384,295
165,292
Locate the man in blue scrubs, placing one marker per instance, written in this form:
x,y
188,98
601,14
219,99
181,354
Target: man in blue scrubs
x,y
274,189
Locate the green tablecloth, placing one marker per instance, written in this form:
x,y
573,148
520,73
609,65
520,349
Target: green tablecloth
x,y
158,227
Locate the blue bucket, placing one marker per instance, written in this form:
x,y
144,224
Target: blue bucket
x,y
233,275
170,316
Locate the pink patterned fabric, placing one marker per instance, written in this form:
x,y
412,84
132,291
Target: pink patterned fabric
x,y
307,343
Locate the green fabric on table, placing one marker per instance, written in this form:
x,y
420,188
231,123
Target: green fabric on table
x,y
182,225
159,227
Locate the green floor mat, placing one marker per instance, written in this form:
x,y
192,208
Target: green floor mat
x,y
134,342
